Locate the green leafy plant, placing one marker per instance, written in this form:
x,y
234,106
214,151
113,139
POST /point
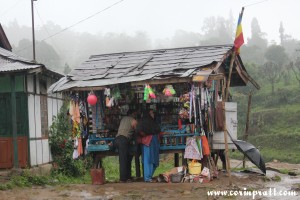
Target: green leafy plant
x,y
61,144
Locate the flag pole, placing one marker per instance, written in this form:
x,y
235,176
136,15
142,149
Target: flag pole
x,y
233,55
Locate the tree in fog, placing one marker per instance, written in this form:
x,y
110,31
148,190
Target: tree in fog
x,y
271,72
218,30
45,53
276,54
274,69
288,42
254,51
295,67
185,39
67,69
258,38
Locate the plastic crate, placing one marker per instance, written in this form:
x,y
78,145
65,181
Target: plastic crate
x,y
174,141
99,143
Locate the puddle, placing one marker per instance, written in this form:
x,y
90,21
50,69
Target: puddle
x,y
283,189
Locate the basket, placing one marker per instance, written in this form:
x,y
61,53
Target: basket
x,y
176,178
194,167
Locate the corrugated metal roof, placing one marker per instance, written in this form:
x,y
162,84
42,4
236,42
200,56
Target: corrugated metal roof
x,y
10,62
108,69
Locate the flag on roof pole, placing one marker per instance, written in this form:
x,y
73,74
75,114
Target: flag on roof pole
x,y
239,38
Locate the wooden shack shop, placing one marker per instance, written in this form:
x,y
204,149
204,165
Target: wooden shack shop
x,y
184,86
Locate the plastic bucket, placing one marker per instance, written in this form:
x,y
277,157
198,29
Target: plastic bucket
x,y
194,168
98,176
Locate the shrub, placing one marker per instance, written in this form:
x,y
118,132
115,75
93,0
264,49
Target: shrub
x,y
61,145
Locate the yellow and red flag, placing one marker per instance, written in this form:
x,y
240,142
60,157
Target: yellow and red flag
x,y
239,38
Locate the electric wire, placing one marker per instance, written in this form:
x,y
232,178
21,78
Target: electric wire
x,y
255,3
44,26
112,5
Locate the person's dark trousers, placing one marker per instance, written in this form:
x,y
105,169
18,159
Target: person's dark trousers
x,y
122,143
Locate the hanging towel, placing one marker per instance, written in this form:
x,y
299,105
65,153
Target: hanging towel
x,y
191,149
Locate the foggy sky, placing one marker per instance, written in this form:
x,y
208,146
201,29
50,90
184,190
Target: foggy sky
x,y
159,18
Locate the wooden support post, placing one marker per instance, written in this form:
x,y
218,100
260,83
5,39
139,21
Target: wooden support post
x,y
229,76
183,160
247,123
224,111
226,146
176,160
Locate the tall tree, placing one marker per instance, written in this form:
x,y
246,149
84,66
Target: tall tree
x,y
276,54
276,60
67,69
218,30
45,53
296,69
271,72
288,42
281,33
257,36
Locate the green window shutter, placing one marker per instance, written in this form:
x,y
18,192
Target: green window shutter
x,y
5,116
22,113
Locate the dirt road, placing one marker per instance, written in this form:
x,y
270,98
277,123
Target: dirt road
x,y
250,182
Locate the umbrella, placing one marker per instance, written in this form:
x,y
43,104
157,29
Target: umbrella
x,y
252,153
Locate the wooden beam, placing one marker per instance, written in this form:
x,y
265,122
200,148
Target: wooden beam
x,y
247,124
162,81
85,88
216,77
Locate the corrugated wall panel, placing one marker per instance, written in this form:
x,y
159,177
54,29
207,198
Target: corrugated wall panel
x,y
37,104
31,116
33,160
39,152
46,151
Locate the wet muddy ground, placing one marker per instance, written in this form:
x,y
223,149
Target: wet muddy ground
x,y
251,182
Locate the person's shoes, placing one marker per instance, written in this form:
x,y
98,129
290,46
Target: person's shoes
x,y
130,180
150,181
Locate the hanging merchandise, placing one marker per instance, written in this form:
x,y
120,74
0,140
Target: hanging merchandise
x,y
148,92
184,113
107,91
192,149
169,91
115,93
92,99
151,93
205,145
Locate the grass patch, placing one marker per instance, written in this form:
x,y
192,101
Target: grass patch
x,y
276,178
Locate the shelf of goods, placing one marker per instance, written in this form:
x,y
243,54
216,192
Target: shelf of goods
x,y
173,138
